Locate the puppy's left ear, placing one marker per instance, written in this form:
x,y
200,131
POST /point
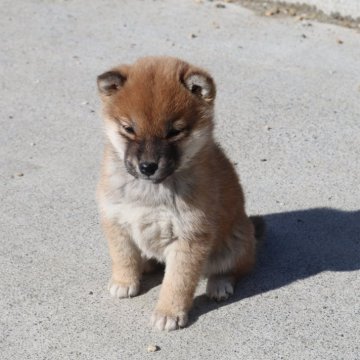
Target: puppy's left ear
x,y
200,84
111,81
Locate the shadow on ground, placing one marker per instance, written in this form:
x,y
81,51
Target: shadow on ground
x,y
298,244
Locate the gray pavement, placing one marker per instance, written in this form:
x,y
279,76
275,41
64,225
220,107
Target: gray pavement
x,y
288,114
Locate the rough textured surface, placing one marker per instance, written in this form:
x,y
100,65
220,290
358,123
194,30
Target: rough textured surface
x,y
344,7
288,112
302,12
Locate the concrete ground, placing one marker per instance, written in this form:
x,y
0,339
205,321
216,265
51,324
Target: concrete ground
x,y
288,114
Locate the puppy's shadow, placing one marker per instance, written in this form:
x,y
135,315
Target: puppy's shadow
x,y
298,244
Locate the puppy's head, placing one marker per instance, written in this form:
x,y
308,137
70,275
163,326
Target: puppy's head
x,y
158,114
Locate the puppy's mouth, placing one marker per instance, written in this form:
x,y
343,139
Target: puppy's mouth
x,y
154,181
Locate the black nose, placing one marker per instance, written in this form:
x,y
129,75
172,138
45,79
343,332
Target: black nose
x,y
147,168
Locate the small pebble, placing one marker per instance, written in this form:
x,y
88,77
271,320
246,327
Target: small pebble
x,y
19,174
193,36
339,41
220,6
303,36
91,293
153,348
263,160
85,103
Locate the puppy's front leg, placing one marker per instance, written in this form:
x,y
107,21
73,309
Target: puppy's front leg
x,y
126,261
184,264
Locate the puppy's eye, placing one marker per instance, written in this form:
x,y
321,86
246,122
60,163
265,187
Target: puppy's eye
x,y
174,132
129,129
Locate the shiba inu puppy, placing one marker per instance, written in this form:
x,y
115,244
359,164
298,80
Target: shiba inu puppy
x,y
167,191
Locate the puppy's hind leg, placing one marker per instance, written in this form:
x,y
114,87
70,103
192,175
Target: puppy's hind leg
x,y
220,286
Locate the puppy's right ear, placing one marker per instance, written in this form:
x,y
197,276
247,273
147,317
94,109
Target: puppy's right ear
x,y
200,83
111,81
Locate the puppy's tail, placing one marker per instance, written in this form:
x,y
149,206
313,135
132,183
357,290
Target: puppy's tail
x,y
260,228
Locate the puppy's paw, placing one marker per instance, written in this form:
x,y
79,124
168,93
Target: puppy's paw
x,y
220,288
162,321
120,291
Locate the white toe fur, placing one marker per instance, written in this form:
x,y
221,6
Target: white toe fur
x,y
220,287
123,291
168,323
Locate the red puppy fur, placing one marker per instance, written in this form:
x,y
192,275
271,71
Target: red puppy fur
x,y
167,191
